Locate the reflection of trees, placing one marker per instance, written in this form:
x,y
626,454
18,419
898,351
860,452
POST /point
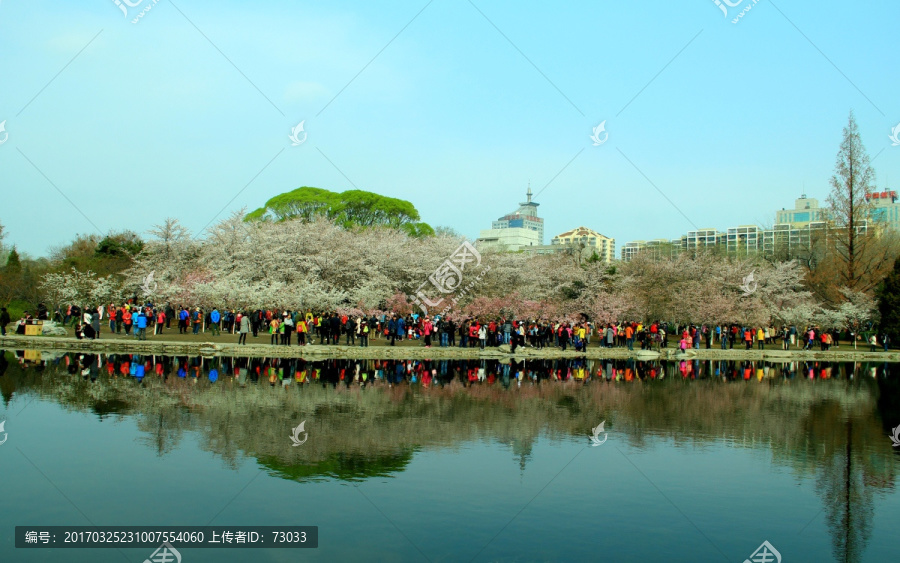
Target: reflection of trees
x,y
842,442
847,498
829,429
348,467
164,430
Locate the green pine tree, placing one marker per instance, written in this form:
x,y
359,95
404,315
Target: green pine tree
x,y
12,263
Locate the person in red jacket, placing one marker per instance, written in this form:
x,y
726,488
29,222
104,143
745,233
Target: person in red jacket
x,y
160,319
111,313
126,320
473,333
427,329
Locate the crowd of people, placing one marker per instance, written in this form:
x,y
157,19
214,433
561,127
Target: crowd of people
x,y
286,327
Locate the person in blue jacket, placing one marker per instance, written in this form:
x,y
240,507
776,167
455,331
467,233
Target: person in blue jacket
x,y
401,328
392,329
141,325
214,321
182,321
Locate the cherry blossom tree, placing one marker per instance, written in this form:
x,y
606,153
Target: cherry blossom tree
x,y
319,265
83,288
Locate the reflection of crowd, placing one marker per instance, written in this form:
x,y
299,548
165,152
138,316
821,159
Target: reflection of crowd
x,y
284,372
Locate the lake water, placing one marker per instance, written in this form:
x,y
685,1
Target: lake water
x,y
475,460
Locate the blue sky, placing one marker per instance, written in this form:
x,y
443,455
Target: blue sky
x,y
113,125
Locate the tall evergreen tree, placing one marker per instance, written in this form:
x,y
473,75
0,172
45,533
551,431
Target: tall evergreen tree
x,y
12,262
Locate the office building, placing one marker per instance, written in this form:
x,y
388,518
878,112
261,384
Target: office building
x,y
515,230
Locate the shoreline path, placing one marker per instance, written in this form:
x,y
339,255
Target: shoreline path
x,y
260,347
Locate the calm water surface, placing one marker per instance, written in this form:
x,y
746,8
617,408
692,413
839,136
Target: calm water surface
x,y
457,460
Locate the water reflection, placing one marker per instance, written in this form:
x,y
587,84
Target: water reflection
x,y
826,421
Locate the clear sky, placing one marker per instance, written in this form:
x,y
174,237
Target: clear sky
x,y
453,105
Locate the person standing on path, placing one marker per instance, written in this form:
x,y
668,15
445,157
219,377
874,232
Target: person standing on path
x,y
392,329
288,328
335,329
142,325
214,318
127,320
302,329
273,331
364,334
111,313
245,329
350,327
196,318
160,319
95,323
427,328
4,320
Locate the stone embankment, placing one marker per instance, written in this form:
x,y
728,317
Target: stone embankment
x,y
320,352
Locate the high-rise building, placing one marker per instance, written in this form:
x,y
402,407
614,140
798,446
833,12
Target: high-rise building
x,y
515,230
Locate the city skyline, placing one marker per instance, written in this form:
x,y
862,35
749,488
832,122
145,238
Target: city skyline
x,y
200,109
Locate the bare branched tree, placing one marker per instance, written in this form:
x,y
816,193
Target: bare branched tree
x,y
851,185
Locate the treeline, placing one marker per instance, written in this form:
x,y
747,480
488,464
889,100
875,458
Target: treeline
x,y
322,266
21,275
